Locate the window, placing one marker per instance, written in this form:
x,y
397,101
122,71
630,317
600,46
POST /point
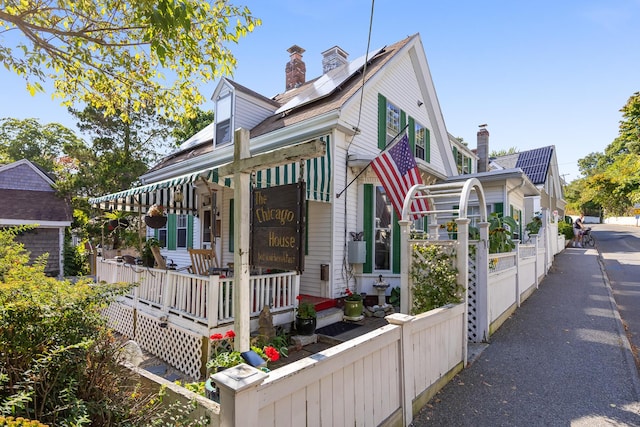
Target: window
x,y
382,229
421,141
162,236
181,231
223,119
393,121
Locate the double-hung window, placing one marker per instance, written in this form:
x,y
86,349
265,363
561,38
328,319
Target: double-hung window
x,y
420,142
382,228
393,121
223,119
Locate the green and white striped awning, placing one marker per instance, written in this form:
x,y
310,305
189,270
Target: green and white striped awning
x,y
316,173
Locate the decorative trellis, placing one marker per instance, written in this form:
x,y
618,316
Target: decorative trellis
x,y
472,295
120,319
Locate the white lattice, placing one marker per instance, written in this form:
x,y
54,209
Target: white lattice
x,y
120,319
472,304
178,347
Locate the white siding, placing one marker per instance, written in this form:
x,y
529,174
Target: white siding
x,y
319,250
248,114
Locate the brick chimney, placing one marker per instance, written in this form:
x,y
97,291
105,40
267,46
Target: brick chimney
x,y
483,149
333,58
295,71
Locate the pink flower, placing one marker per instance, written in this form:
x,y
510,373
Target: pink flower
x,y
230,334
271,353
216,337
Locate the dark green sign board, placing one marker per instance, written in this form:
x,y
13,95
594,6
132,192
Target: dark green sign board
x,y
277,227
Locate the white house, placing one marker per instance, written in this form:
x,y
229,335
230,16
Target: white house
x,y
356,107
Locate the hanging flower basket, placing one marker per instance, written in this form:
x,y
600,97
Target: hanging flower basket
x,y
155,221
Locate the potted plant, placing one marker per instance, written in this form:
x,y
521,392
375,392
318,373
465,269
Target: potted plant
x,y
223,356
147,251
155,217
305,317
353,305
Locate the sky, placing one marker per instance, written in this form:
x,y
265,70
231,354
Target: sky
x,y
537,73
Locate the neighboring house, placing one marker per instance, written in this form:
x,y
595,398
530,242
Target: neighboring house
x,y
28,198
356,107
541,166
508,191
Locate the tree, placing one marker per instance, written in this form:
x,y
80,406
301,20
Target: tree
x,y
612,178
44,145
116,54
503,152
189,126
119,151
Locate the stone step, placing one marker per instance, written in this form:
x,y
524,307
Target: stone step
x,y
328,316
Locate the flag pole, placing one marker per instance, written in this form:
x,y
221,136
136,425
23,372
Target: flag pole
x,y
369,164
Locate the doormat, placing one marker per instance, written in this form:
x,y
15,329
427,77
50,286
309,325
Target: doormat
x,y
336,328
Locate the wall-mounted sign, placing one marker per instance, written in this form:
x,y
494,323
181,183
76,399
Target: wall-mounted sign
x,y
277,227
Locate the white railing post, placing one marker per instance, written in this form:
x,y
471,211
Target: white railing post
x,y
482,284
407,373
212,301
239,398
462,261
536,263
405,261
169,291
518,273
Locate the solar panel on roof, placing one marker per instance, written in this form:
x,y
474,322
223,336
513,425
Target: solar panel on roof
x,y
535,163
327,83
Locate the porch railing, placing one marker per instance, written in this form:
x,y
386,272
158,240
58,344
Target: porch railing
x,y
206,300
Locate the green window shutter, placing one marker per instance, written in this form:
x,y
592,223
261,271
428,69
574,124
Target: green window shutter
x,y
427,145
395,236
403,119
189,231
498,208
172,224
412,135
231,226
367,219
382,121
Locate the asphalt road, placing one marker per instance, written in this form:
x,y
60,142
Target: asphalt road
x,y
619,248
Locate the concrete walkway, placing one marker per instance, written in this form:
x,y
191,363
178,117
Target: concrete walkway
x,y
562,359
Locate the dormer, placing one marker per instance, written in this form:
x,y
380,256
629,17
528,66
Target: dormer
x,y
236,106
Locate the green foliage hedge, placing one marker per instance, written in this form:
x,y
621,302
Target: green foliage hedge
x,y
59,364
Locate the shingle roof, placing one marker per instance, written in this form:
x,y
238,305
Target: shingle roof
x,y
33,206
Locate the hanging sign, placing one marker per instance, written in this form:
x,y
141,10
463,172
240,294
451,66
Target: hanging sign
x,y
277,227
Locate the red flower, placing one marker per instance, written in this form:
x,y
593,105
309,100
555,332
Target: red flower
x,y
230,334
299,297
216,337
271,353
348,292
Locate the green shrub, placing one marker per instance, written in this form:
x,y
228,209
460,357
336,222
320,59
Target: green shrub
x,y
435,279
59,364
566,229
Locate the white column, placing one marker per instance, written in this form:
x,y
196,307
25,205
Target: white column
x,y
241,279
482,283
405,262
462,261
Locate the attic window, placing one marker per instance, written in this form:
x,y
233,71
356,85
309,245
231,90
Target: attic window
x,y
223,119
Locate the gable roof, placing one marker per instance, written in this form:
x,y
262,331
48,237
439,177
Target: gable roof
x,y
535,163
323,102
28,196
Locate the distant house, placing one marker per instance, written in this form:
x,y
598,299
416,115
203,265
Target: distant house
x,y
541,167
28,198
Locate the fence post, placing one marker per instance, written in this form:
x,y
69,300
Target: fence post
x,y
169,291
239,403
462,261
406,260
406,364
482,284
518,273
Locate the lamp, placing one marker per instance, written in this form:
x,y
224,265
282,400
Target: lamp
x,y
178,197
420,103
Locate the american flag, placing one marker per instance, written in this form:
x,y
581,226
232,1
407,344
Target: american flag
x,y
398,172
